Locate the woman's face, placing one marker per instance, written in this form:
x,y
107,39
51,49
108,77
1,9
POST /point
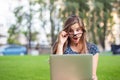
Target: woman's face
x,y
75,33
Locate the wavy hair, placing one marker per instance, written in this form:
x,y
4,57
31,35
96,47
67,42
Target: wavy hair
x,y
70,21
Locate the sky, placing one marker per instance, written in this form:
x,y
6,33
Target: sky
x,y
4,10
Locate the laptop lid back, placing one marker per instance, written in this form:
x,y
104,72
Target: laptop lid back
x,y
71,67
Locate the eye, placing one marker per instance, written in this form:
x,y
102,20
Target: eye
x,y
79,29
71,30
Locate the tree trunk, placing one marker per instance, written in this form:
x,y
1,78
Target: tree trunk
x,y
52,26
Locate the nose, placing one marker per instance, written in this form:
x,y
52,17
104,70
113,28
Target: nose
x,y
75,32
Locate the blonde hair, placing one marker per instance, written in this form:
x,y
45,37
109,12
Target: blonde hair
x,y
70,21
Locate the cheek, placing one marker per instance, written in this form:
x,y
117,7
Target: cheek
x,y
80,35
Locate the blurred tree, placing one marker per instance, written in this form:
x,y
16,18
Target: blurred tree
x,y
100,21
69,8
97,17
14,30
95,13
42,13
116,6
23,24
51,7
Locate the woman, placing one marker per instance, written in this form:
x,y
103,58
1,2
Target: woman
x,y
72,40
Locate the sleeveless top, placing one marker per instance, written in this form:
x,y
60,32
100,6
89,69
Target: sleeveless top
x,y
92,49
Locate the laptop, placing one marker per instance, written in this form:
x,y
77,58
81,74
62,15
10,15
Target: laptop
x,y
71,67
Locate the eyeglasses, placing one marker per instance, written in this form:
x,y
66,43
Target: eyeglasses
x,y
73,35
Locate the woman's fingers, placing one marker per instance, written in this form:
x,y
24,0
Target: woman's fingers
x,y
63,37
64,34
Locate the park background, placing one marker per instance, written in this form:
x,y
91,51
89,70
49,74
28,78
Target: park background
x,y
35,24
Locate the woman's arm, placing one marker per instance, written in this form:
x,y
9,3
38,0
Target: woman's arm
x,y
95,63
62,37
59,49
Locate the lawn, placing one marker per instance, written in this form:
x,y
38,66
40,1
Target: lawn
x,y
37,67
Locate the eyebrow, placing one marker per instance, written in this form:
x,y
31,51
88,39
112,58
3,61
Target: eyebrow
x,y
76,28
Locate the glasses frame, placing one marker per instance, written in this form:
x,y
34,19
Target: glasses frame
x,y
72,35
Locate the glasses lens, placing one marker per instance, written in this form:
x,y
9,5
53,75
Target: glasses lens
x,y
77,35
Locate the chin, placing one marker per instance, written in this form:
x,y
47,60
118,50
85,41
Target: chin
x,y
76,42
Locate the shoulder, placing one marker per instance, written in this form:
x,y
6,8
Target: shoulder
x,y
92,48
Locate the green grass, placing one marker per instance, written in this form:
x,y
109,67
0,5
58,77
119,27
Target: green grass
x,y
109,68
37,67
24,68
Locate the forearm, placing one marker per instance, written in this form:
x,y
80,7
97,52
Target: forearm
x,y
95,63
59,49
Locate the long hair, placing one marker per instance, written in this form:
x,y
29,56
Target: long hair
x,y
70,21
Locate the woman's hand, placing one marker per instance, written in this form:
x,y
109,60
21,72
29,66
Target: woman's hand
x,y
62,37
94,78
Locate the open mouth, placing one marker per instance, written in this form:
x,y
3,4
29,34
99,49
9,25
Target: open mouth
x,y
75,38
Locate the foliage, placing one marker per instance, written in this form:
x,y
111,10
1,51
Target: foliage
x,y
96,15
53,18
99,21
22,25
14,30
